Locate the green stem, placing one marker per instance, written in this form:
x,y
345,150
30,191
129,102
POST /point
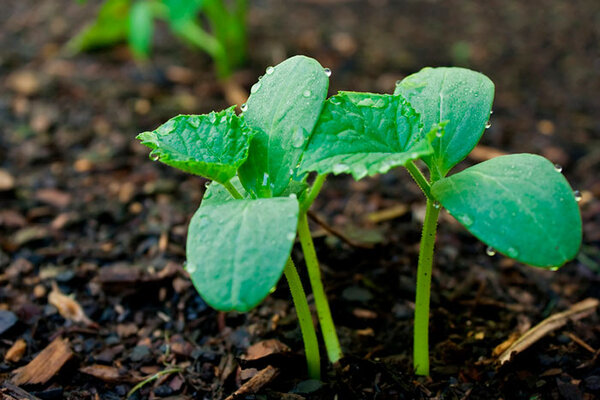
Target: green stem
x,y
232,190
419,178
332,344
309,335
314,192
421,329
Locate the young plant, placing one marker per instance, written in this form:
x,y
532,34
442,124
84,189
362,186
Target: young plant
x,y
519,205
133,21
240,239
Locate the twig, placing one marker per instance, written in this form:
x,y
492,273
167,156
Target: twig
x,y
550,324
259,380
338,233
580,342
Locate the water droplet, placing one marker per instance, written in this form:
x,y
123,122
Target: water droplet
x,y
490,251
327,71
577,195
558,168
491,112
298,139
436,204
554,268
414,155
335,100
365,102
265,179
270,70
512,252
466,220
244,107
154,156
438,133
291,236
212,117
306,93
291,171
207,184
488,125
190,268
293,195
339,168
255,88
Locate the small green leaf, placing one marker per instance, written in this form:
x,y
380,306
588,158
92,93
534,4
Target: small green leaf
x,y
517,204
283,107
216,193
181,11
213,145
236,250
365,134
457,95
141,28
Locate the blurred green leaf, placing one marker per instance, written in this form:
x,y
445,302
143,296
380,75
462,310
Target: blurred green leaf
x,y
141,28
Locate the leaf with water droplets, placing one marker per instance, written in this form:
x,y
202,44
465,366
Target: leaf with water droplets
x,y
457,95
213,146
365,134
216,193
518,205
284,112
236,250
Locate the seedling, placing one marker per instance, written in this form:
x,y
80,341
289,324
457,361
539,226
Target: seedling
x,y
519,205
240,239
224,39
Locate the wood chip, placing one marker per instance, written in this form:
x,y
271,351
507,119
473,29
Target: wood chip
x,y
266,348
102,372
68,307
45,365
257,382
53,197
550,324
8,391
16,351
388,213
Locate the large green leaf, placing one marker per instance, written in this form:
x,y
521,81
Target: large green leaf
x,y
213,145
284,107
236,250
457,95
518,204
141,28
364,134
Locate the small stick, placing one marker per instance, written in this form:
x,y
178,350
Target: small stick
x,y
550,324
336,232
256,383
580,342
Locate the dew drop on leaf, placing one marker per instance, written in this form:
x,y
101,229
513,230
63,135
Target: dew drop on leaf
x,y
488,125
436,204
207,184
291,236
306,93
298,139
414,155
558,168
154,156
512,252
190,268
270,70
265,179
490,251
365,103
466,220
438,133
327,71
244,107
491,112
293,195
577,195
255,88
212,117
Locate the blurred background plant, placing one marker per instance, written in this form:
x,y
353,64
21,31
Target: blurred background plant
x,y
217,27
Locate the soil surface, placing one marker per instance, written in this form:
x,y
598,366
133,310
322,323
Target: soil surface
x,y
92,233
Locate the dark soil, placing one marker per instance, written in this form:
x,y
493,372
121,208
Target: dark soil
x,y
87,209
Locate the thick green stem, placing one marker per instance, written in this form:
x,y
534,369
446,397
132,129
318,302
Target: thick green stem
x,y
421,330
309,335
332,344
419,178
232,190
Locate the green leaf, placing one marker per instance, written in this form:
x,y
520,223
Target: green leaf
x,y
236,251
457,95
181,11
213,145
109,28
283,107
216,193
517,204
141,28
365,134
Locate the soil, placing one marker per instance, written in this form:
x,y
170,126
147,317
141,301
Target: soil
x,y
84,212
